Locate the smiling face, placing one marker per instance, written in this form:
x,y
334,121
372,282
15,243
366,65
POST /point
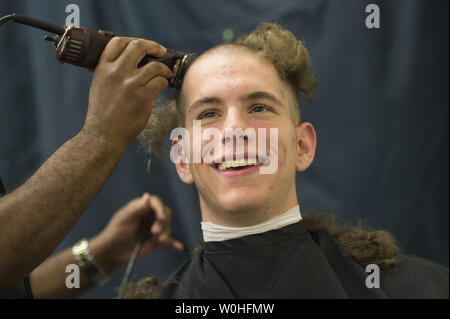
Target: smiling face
x,y
232,88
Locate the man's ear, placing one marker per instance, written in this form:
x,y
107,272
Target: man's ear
x,y
181,160
306,146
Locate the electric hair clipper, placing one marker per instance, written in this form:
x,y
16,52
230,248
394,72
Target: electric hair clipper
x,y
84,47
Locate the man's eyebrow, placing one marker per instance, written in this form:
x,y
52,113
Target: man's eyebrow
x,y
203,101
262,95
252,96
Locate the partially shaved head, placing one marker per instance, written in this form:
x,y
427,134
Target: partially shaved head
x,y
271,42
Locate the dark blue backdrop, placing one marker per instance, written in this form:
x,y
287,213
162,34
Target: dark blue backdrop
x,y
381,111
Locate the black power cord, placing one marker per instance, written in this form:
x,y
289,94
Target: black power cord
x,y
43,25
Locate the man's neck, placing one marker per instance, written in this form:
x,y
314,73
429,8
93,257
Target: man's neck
x,y
213,232
247,216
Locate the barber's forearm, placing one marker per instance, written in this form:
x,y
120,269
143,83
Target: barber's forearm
x,y
37,216
48,280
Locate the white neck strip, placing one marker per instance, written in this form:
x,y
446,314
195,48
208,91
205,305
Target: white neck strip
x,y
213,232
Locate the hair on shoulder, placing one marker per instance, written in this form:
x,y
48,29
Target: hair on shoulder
x,y
359,241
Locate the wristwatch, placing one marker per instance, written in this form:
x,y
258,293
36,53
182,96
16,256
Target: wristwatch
x,y
87,263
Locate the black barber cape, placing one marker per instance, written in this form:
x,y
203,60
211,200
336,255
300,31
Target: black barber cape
x,y
290,262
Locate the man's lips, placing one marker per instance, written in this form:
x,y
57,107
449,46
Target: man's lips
x,y
237,171
241,158
238,167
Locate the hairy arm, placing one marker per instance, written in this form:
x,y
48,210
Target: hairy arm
x,y
38,215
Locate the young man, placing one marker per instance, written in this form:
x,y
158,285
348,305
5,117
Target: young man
x,y
257,244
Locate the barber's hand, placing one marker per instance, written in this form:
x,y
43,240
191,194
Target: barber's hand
x,y
122,95
143,216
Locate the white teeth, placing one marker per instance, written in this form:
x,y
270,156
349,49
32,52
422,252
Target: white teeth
x,y
240,163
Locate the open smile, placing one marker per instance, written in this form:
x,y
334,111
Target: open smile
x,y
237,168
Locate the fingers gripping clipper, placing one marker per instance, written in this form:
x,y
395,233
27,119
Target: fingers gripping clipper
x,y
83,47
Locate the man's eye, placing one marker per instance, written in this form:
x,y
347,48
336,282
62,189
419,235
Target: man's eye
x,y
207,115
259,108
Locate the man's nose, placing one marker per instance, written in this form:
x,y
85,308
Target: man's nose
x,y
235,119
229,139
